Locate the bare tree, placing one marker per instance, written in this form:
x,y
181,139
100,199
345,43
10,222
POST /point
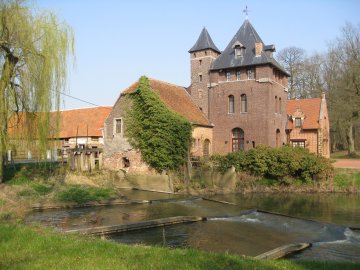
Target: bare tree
x,y
342,77
292,58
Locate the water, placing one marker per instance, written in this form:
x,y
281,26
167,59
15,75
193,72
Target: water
x,y
230,228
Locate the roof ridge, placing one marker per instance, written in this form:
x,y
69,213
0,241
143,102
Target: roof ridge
x,y
86,108
165,82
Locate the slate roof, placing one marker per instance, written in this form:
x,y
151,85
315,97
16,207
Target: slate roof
x,y
177,99
72,123
204,42
247,36
310,107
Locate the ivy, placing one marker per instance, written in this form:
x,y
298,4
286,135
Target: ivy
x,y
162,136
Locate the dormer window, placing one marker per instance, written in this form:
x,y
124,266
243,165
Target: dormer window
x,y
297,122
239,49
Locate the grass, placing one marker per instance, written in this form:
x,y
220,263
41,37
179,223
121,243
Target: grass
x,y
37,248
345,155
81,194
345,178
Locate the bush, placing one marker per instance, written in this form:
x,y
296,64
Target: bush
x,y
284,164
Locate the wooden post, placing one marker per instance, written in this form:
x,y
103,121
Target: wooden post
x,y
82,161
100,160
92,161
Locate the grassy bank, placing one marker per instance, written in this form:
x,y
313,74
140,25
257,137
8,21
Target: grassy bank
x,y
27,184
36,248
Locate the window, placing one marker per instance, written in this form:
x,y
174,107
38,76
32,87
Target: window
x,y
228,76
276,104
243,103
118,126
200,92
251,74
200,78
298,144
280,109
237,139
200,62
238,75
278,138
231,104
206,148
297,122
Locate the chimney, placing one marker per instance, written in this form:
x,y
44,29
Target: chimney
x,y
258,48
323,95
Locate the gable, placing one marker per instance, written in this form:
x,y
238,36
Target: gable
x,y
308,108
177,99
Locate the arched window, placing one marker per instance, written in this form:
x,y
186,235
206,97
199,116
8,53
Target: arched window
x,y
231,104
278,139
243,103
206,148
237,139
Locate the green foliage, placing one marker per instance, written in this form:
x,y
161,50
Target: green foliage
x,y
162,136
42,189
284,164
81,194
34,50
24,174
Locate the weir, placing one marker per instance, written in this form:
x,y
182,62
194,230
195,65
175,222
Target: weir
x,y
170,220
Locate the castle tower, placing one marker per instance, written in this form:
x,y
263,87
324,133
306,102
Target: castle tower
x,y
202,54
242,90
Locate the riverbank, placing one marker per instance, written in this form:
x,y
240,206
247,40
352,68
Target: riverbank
x,y
25,247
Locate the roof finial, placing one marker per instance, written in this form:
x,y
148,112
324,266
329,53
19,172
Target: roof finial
x,y
246,11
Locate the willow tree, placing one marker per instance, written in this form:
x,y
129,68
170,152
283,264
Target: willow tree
x,y
34,49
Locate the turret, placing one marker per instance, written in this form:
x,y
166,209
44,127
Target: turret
x,y
202,54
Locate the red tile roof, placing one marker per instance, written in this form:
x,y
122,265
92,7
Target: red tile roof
x,y
311,109
72,123
175,98
83,122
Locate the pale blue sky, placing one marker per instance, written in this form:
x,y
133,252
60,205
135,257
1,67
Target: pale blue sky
x,y
118,41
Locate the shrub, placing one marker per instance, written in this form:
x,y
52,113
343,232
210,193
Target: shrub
x,y
284,164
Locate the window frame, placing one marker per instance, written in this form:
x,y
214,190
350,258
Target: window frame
x,y
244,107
298,122
228,76
238,75
115,126
231,104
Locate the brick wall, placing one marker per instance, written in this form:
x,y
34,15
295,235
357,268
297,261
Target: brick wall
x,y
200,65
262,119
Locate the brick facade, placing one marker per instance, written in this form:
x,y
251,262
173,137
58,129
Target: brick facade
x,y
263,121
308,125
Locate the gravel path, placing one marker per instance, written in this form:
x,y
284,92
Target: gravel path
x,y
347,163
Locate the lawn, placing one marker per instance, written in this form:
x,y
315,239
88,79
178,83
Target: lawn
x,y
24,247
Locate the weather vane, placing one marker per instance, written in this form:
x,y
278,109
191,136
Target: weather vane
x,y
246,11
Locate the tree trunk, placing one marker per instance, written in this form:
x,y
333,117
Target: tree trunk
x,y
7,73
350,139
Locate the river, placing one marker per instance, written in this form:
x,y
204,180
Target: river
x,y
231,228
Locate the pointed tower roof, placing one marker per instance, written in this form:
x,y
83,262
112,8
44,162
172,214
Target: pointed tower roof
x,y
247,37
204,42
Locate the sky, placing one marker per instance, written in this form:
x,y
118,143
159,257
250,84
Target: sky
x,y
119,41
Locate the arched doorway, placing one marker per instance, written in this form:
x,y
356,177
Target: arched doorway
x,y
206,148
278,138
237,139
